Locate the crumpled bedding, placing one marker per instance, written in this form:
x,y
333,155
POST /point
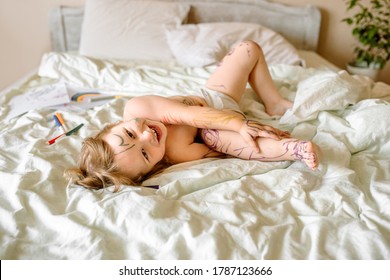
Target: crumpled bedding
x,y
206,209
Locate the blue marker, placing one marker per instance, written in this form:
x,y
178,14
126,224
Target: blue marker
x,y
58,123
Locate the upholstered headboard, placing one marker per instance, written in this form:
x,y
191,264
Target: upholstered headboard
x,y
299,24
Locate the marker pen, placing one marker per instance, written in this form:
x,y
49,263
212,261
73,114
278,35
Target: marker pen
x,y
74,130
103,98
70,132
61,120
58,123
52,141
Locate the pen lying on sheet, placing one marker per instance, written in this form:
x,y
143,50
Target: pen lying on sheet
x,y
70,132
102,98
79,97
58,123
61,120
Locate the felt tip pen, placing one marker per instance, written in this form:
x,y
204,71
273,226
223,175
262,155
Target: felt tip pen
x,y
58,123
156,187
59,117
52,141
74,130
103,98
70,132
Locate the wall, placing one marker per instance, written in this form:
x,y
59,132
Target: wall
x,y
336,42
24,35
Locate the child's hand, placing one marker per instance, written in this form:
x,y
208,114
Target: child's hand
x,y
250,130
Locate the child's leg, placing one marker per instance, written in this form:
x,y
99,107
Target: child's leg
x,y
245,63
231,143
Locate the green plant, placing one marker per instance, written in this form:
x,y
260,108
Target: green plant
x,y
371,28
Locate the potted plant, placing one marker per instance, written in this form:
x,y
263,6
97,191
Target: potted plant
x,y
371,28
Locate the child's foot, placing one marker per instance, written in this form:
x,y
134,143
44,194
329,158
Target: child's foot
x,y
304,151
308,154
278,108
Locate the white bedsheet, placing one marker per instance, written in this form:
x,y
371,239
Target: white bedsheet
x,y
207,209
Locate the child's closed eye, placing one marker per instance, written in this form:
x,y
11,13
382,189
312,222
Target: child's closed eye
x,y
145,154
130,134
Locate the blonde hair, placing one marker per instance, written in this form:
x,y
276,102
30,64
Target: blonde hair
x,y
96,166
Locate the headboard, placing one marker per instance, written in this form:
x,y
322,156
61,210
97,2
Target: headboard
x,y
299,24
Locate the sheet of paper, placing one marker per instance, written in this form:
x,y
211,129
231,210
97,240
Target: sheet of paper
x,y
41,97
56,96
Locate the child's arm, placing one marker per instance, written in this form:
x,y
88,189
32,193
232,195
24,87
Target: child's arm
x,y
171,111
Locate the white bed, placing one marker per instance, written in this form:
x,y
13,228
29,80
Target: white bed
x,y
211,208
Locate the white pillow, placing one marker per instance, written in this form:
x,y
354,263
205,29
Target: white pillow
x,y
325,90
129,29
199,45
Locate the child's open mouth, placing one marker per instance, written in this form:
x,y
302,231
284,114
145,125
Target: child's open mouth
x,y
157,132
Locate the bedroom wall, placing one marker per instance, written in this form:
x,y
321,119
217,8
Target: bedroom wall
x,y
336,42
24,35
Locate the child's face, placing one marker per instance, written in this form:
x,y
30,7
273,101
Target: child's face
x,y
138,145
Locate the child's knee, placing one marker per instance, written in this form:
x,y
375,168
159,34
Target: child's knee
x,y
251,48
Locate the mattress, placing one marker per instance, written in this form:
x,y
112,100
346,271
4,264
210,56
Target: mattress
x,y
207,209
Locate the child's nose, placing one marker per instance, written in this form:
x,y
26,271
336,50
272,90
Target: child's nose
x,y
147,134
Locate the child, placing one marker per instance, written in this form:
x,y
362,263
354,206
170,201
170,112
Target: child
x,y
158,131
